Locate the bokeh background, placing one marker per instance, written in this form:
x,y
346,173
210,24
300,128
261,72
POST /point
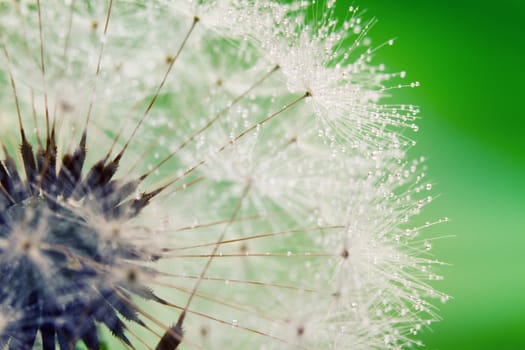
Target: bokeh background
x,y
470,59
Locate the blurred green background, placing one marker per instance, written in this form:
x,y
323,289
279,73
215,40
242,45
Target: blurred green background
x,y
470,59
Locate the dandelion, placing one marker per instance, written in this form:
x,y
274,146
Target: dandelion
x,y
205,175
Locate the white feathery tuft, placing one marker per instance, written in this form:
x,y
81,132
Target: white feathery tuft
x,y
262,196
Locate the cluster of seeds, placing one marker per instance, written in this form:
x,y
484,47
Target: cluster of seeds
x,y
209,174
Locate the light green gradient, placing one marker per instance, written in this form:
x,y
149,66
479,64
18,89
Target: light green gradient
x,y
469,57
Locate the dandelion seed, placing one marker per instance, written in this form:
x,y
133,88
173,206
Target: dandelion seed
x,y
205,175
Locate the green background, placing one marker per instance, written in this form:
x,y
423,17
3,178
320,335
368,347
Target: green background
x,y
469,57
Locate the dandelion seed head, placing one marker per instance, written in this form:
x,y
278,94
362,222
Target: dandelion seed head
x,y
216,174
62,251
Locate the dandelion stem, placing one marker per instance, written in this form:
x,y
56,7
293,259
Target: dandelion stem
x,y
159,87
68,32
219,222
190,170
150,317
245,255
257,236
211,121
248,329
217,244
42,65
13,85
265,120
33,109
221,301
99,61
249,282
